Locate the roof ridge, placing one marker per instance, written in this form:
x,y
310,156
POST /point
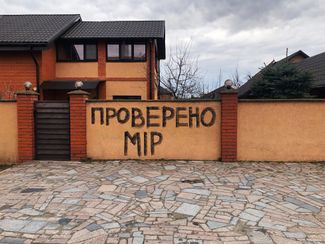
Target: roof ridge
x,y
38,14
110,21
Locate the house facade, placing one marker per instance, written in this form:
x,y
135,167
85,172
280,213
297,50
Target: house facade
x,y
114,59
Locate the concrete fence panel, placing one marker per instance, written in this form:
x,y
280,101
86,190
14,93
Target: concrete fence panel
x,y
8,132
153,130
281,130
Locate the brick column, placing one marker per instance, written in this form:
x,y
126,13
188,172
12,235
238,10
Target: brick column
x,y
78,124
102,60
25,123
229,106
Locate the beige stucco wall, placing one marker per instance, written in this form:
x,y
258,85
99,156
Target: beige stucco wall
x,y
107,142
8,133
126,69
75,69
126,88
281,131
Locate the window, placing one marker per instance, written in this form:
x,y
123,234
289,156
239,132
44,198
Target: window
x,y
113,51
139,51
126,52
76,52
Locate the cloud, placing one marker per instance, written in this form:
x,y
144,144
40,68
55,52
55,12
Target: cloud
x,y
225,34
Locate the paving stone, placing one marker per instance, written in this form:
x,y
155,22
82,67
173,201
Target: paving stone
x,y
169,167
198,191
93,227
113,177
30,211
71,201
107,196
162,177
302,204
268,224
255,212
64,221
139,179
138,240
258,237
140,194
104,188
250,217
312,189
214,224
304,223
112,225
12,224
33,226
188,209
12,240
297,235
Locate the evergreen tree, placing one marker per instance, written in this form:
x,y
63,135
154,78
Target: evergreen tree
x,y
282,81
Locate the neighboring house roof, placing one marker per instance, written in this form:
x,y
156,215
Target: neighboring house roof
x,y
245,88
215,94
34,29
316,66
154,29
164,91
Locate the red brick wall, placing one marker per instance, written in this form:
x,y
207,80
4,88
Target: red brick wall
x,y
150,93
101,60
48,63
229,105
15,68
78,124
25,123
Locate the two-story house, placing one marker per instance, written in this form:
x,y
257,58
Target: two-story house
x,y
114,59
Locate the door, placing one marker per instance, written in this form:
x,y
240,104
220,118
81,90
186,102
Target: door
x,y
52,130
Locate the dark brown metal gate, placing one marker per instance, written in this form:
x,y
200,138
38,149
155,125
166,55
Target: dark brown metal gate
x,y
52,130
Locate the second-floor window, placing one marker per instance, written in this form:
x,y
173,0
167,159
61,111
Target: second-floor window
x,y
126,52
75,52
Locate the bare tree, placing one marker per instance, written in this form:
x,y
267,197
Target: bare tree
x,y
220,79
236,78
180,74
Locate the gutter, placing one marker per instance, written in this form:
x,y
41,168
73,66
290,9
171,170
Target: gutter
x,y
150,69
36,69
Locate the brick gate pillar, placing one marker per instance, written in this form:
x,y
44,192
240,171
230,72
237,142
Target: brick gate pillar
x,y
78,124
26,126
229,107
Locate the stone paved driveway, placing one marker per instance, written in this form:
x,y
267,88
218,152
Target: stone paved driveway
x,y
162,202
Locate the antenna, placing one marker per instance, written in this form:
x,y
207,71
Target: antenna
x,y
287,50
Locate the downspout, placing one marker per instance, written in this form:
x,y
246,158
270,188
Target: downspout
x,y
158,75
36,69
150,69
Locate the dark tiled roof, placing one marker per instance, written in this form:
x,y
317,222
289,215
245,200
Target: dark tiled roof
x,y
117,29
245,88
164,91
34,29
316,66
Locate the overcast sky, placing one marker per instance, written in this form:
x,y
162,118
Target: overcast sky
x,y
225,34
